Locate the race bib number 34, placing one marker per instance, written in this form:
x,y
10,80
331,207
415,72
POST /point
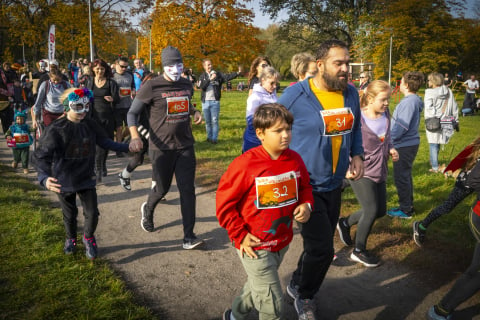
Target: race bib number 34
x,y
337,121
177,106
276,191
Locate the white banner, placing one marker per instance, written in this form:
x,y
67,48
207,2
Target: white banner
x,y
51,43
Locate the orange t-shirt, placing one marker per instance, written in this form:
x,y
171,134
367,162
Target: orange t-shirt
x,y
330,100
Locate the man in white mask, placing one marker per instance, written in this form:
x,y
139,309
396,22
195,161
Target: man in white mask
x,y
167,100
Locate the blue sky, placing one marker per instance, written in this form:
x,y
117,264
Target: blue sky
x,y
260,20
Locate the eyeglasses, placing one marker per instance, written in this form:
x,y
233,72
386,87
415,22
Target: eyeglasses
x,y
264,65
362,77
123,67
80,107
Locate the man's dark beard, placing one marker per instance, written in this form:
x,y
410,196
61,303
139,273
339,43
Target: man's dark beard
x,y
333,82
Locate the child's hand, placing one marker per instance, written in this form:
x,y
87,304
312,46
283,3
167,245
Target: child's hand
x,y
302,213
51,185
247,243
394,154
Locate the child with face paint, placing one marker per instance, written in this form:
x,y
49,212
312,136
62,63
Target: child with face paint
x,y
19,139
65,162
167,99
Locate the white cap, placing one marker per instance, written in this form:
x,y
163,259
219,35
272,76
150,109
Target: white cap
x,y
55,62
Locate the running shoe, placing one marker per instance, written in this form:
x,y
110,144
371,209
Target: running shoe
x,y
397,213
70,246
189,244
344,232
365,258
292,290
433,315
147,218
418,234
90,247
227,314
305,309
125,182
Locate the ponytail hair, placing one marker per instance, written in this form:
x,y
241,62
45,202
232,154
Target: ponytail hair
x,y
373,89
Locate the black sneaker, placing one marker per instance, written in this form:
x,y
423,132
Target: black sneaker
x,y
227,314
418,234
344,232
292,290
125,182
365,258
305,309
90,247
70,246
189,244
147,218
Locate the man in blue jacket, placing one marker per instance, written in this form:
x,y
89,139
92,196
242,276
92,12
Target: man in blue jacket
x,y
327,134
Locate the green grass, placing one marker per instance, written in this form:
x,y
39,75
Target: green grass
x,y
38,282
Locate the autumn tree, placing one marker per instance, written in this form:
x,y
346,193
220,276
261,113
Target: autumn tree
x,y
26,22
220,30
311,21
424,36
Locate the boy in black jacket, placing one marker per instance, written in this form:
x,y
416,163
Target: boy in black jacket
x,y
65,161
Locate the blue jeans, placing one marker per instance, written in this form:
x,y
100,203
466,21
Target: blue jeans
x,y
434,149
211,110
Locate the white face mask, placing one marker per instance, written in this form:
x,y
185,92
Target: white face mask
x,y
174,72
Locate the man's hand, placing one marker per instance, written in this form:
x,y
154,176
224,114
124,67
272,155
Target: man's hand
x,y
356,168
248,243
302,213
135,145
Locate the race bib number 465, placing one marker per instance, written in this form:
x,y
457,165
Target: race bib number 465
x,y
337,121
276,191
177,106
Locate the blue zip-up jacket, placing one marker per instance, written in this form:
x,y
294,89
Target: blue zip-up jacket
x,y
405,121
308,139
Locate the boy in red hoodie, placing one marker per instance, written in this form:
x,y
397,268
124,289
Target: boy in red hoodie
x,y
258,197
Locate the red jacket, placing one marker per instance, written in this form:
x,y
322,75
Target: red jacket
x,y
258,195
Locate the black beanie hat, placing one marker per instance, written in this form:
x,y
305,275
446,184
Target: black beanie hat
x,y
171,56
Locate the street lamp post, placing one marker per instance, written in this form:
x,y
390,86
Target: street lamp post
x,y
90,27
150,21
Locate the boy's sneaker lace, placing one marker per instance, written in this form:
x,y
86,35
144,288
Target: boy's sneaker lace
x,y
147,218
292,290
90,247
365,258
189,244
397,213
125,182
70,246
433,315
418,234
344,232
305,309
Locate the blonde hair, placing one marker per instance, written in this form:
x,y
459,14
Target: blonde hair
x,y
436,79
374,88
299,63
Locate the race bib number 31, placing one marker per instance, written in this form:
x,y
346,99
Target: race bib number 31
x,y
177,106
276,191
337,121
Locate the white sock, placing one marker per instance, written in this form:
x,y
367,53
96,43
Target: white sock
x,y
126,174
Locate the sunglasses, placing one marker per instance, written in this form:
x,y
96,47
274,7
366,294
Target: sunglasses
x,y
80,107
123,67
264,65
362,77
